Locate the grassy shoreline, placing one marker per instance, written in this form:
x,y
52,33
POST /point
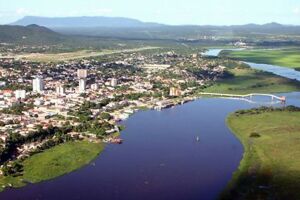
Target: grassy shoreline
x,y
270,167
247,80
54,162
283,57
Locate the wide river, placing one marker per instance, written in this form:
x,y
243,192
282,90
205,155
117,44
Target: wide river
x,y
160,158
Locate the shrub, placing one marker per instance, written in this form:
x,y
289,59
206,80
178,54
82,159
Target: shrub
x,y
255,135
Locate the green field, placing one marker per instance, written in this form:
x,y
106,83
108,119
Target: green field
x,y
283,57
270,168
54,162
247,80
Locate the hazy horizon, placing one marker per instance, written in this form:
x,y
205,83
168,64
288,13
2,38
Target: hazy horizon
x,y
189,12
152,21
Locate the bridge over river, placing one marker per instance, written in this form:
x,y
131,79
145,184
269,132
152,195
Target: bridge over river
x,y
272,96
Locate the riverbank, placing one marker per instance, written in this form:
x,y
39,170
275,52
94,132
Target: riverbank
x,y
54,162
270,168
282,57
247,80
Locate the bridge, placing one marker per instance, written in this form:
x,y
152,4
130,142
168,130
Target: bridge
x,y
282,98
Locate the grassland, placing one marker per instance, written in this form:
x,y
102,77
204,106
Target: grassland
x,y
247,80
282,57
54,162
270,168
58,57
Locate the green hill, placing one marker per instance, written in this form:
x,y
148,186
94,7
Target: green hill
x,y
31,34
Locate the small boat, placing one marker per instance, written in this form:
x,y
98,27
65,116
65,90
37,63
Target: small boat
x,y
197,138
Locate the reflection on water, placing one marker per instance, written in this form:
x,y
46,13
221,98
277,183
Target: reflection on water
x,y
281,71
265,102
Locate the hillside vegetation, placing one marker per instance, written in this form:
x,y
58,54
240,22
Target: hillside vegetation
x,y
32,34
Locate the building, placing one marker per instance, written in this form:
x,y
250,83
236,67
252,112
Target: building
x,y
37,84
94,86
82,85
20,94
60,90
38,102
82,73
114,82
175,92
2,83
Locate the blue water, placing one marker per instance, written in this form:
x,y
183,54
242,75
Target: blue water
x,y
160,158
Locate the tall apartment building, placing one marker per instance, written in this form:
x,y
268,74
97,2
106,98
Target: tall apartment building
x,y
82,85
38,84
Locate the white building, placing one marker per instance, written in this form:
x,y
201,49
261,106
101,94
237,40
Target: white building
x,y
60,90
114,82
174,92
94,86
2,83
37,84
82,73
38,102
82,85
20,94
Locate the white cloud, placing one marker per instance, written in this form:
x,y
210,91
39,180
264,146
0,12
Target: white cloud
x,y
296,10
22,11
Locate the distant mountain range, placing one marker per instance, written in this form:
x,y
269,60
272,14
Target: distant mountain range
x,y
118,27
121,22
77,30
110,22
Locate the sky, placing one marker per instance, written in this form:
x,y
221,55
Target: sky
x,y
173,12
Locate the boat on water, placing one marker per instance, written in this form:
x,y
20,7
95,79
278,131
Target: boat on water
x,y
197,138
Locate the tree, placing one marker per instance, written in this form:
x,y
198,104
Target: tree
x,y
12,169
105,116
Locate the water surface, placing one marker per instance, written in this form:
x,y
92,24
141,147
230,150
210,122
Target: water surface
x,y
160,158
